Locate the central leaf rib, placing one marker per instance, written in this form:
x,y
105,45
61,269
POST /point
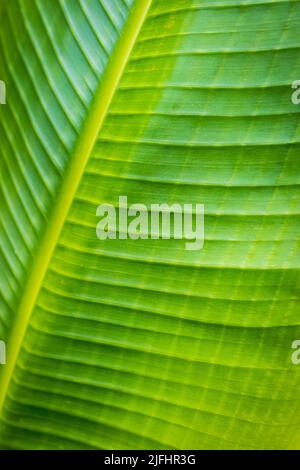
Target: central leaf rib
x,y
81,153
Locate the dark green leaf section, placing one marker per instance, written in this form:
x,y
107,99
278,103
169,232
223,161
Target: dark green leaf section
x,y
53,54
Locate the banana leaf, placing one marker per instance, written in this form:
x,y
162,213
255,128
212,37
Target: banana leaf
x,y
141,344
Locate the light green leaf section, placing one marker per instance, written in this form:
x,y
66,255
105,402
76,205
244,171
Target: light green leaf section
x,y
128,344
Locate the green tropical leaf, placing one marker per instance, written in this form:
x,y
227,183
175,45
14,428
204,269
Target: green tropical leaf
x,y
129,344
